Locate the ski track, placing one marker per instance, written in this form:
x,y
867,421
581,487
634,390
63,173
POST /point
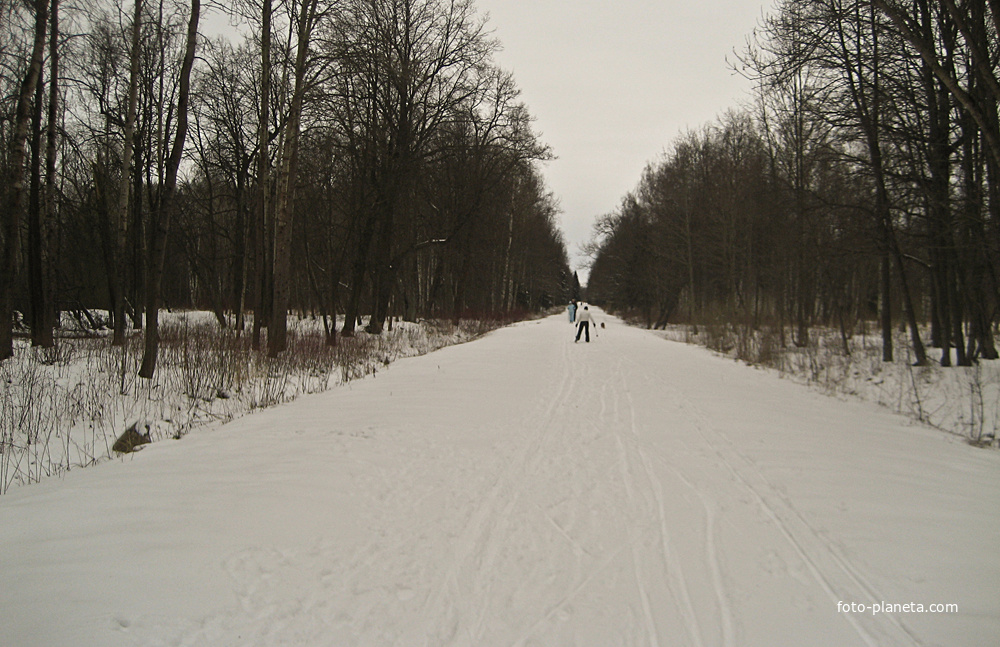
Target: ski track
x,y
486,532
829,567
673,566
594,500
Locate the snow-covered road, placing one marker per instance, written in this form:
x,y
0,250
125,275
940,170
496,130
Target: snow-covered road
x,y
521,490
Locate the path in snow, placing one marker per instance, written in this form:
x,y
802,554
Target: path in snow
x,y
520,490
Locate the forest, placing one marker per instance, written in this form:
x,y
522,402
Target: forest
x,y
860,183
366,159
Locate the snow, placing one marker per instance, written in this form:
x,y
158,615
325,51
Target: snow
x,y
521,490
961,400
63,408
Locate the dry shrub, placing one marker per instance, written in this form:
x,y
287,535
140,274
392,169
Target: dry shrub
x,y
64,407
719,337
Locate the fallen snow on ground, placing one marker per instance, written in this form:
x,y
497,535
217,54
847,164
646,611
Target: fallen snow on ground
x,y
963,400
521,490
63,408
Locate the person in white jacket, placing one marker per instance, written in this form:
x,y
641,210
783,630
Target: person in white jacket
x,y
584,325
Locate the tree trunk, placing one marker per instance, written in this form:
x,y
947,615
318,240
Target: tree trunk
x,y
261,240
13,186
358,276
885,310
138,240
50,318
384,271
910,310
36,285
161,220
239,272
277,332
121,213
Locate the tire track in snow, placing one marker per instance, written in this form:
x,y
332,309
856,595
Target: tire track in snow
x,y
598,559
629,484
578,548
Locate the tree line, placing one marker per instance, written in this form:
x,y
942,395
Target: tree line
x,y
366,158
862,183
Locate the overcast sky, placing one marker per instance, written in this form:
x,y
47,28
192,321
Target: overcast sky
x,y
612,83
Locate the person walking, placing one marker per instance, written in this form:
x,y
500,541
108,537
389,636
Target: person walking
x,y
584,325
572,311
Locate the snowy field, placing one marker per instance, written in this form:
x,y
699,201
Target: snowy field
x,y
522,490
960,400
63,408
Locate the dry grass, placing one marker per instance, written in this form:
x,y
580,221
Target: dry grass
x,y
960,400
63,408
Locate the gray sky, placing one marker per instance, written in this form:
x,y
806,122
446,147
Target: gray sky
x,y
612,83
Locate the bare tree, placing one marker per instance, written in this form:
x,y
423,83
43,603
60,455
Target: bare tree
x,y
284,209
161,220
408,135
263,250
40,211
13,191
409,64
120,217
923,41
